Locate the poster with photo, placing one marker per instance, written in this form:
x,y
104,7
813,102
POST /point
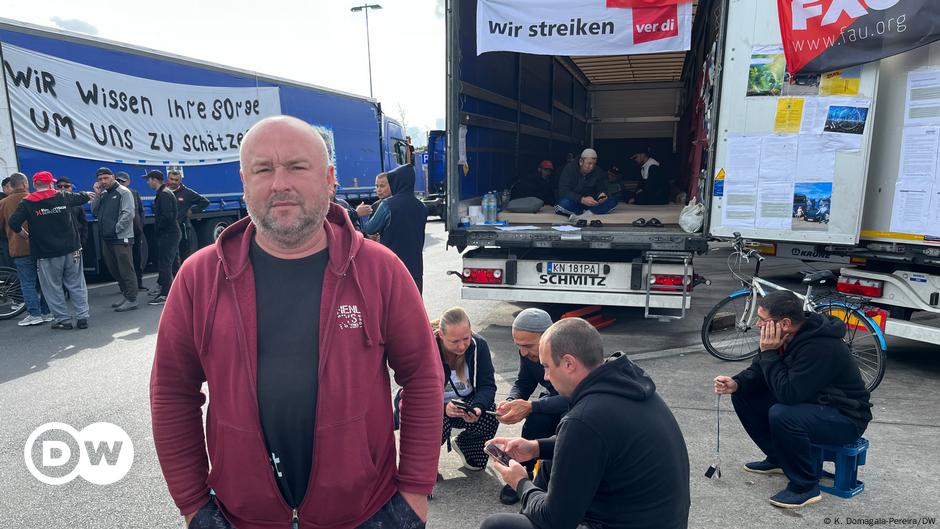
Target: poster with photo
x,y
846,119
802,84
812,205
767,72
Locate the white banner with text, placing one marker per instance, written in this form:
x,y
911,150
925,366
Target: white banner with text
x,y
73,109
584,27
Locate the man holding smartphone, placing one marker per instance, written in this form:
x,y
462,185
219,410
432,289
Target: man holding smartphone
x,y
582,187
541,415
618,470
804,387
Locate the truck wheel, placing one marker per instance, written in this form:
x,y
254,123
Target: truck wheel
x,y
210,229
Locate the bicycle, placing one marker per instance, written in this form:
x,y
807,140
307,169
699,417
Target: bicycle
x,y
11,295
729,331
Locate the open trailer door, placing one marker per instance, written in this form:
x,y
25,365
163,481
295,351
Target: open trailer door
x,y
792,155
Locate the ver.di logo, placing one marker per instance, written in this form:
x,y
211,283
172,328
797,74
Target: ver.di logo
x,y
56,453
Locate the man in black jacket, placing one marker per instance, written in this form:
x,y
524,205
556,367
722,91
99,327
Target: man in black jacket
x,y
653,188
125,180
114,207
803,387
64,185
541,184
541,416
618,460
583,186
53,241
400,220
187,203
166,229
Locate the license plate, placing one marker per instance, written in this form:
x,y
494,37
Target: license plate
x,y
582,269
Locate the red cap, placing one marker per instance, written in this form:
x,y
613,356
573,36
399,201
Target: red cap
x,y
43,177
546,164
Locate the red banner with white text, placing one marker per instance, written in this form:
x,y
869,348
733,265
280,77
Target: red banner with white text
x,y
825,35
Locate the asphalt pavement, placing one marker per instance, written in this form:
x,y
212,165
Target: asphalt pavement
x,y
80,377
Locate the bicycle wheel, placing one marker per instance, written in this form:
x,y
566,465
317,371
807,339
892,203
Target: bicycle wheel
x,y
11,296
725,332
864,339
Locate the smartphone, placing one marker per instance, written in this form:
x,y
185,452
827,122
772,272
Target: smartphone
x,y
460,403
466,407
498,454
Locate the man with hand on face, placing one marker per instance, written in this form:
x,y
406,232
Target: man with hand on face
x,y
293,320
618,460
803,388
583,187
541,416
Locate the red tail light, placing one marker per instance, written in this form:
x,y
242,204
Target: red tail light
x,y
668,283
868,288
483,276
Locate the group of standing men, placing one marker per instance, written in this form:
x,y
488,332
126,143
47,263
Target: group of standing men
x,y
44,233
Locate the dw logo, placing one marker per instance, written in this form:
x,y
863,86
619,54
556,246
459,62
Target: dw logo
x,y
55,453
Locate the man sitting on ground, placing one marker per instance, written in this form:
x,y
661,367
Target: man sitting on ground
x,y
803,388
618,460
653,188
540,184
583,187
541,416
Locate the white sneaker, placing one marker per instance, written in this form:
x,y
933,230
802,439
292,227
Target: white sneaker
x,y
17,306
463,460
47,317
30,320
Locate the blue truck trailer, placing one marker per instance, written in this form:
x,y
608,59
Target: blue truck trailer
x,y
72,103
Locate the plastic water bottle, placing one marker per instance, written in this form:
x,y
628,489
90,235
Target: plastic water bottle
x,y
490,207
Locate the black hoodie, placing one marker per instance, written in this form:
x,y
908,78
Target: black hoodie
x,y
408,217
815,367
52,231
618,460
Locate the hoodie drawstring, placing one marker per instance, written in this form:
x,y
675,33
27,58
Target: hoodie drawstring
x,y
213,300
362,296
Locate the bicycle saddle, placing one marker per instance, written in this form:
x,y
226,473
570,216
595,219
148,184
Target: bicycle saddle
x,y
820,277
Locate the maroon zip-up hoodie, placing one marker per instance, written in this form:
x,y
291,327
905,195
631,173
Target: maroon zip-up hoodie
x,y
371,317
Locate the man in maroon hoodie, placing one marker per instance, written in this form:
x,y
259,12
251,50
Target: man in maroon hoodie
x,y
293,320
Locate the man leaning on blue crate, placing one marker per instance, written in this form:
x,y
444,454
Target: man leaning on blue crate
x,y
803,388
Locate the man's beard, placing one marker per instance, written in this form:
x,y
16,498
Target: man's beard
x,y
311,217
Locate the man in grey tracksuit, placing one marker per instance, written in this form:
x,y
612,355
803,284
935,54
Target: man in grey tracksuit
x,y
114,207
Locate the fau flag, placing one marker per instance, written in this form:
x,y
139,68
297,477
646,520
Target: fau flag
x,y
825,35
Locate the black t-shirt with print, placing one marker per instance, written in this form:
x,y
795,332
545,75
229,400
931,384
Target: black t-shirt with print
x,y
288,295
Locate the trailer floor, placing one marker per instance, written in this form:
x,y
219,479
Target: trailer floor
x,y
622,215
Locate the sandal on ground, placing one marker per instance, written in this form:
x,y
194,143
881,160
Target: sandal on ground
x,y
596,223
640,222
654,222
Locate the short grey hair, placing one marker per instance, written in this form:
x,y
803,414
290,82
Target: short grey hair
x,y
578,338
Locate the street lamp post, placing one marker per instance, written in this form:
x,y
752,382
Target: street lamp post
x,y
365,8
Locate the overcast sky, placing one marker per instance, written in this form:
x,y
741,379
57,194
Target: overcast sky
x,y
319,42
